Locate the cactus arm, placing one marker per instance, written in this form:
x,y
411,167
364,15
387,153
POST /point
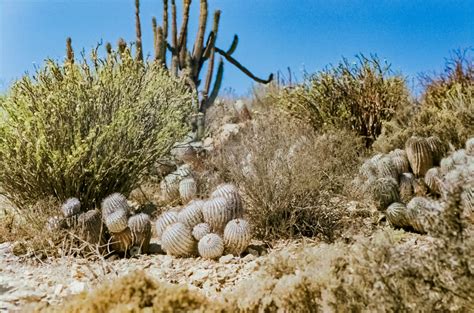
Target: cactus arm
x,y
184,25
174,40
217,84
138,31
198,45
160,46
233,46
69,51
165,19
242,68
155,37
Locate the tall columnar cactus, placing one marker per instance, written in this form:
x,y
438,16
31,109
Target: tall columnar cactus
x,y
406,187
140,227
187,189
138,31
70,207
217,212
90,226
237,236
231,194
164,220
419,155
191,214
201,230
211,246
384,191
177,240
397,215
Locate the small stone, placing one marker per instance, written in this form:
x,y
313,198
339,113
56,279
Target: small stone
x,y
58,289
249,257
226,258
199,275
77,287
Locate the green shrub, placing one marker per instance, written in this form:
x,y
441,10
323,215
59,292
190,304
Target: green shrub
x,y
88,130
358,96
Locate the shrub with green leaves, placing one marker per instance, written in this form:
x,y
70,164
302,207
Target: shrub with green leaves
x,y
82,130
358,96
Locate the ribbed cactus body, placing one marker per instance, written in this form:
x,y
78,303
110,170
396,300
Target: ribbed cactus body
x,y
368,169
447,164
437,147
237,236
231,194
459,157
140,227
400,161
164,220
90,226
184,171
397,214
422,213
470,147
419,155
71,207
384,191
432,179
187,189
114,202
121,242
201,230
467,199
386,168
177,240
406,185
211,246
191,215
117,221
217,212
169,187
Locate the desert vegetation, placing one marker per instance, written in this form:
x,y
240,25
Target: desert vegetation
x,y
345,192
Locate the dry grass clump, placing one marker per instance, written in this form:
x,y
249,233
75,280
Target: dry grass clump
x,y
287,173
136,292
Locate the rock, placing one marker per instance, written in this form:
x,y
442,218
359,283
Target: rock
x,y
77,287
199,275
226,258
249,257
58,289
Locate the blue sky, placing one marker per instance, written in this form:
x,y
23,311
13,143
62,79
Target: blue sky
x,y
415,36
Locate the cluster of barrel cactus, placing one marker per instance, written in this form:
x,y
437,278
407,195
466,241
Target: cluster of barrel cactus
x,y
179,184
209,227
411,186
123,232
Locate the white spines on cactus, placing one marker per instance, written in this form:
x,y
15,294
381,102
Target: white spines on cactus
x,y
183,171
217,212
237,236
71,207
459,157
397,214
432,179
113,203
406,187
140,227
368,169
187,189
211,246
191,214
386,168
177,240
421,212
116,221
447,164
231,193
384,191
376,158
90,226
164,220
419,155
201,230
470,147
400,161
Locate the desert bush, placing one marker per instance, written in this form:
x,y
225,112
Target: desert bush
x,y
88,130
287,173
452,120
356,96
136,292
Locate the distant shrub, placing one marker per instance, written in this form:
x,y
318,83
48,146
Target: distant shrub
x,y
88,130
355,96
287,173
452,120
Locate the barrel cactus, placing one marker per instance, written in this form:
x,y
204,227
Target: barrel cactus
x,y
387,168
217,212
140,227
470,147
419,155
447,164
177,240
432,179
368,169
422,213
187,189
90,226
184,171
113,203
164,220
191,215
400,161
406,187
459,157
121,242
169,187
397,214
71,207
437,148
117,221
231,194
384,191
211,246
201,230
237,236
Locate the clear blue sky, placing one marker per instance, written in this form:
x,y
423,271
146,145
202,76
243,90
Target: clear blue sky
x,y
415,36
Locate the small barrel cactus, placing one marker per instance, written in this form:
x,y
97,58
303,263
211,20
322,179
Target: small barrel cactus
x,y
419,155
217,212
384,191
447,164
386,168
177,240
164,220
467,198
191,215
470,147
397,214
90,226
437,148
432,179
211,246
400,160
201,230
71,207
231,194
140,227
406,185
117,221
169,187
121,242
237,236
184,171
459,157
368,169
422,212
113,203
187,189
